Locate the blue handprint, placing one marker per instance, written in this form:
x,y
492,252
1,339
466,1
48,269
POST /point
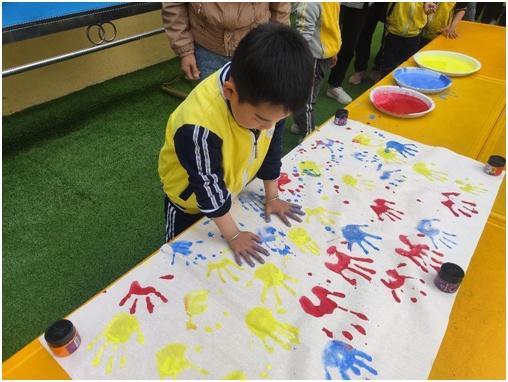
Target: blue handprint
x,y
393,176
425,227
252,201
343,357
353,234
404,150
267,235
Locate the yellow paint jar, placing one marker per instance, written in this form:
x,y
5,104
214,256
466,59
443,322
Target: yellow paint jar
x,y
62,337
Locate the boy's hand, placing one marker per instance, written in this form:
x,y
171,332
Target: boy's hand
x,y
449,32
189,67
429,8
283,210
245,246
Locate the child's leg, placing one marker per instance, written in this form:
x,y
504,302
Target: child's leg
x,y
176,220
304,118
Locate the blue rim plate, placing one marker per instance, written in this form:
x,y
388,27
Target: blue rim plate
x,y
422,80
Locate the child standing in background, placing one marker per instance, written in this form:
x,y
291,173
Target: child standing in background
x,y
443,21
404,24
319,25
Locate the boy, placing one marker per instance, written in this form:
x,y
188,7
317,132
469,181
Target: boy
x,y
225,133
404,24
319,25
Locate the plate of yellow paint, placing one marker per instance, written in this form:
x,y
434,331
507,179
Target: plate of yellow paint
x,y
447,62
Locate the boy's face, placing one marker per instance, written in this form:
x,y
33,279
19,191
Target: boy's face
x,y
259,117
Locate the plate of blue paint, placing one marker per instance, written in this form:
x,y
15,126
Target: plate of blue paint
x,y
422,80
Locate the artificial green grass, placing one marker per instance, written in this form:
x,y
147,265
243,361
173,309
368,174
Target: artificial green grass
x,y
82,201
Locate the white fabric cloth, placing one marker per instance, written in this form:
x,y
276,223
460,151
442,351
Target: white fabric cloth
x,y
215,320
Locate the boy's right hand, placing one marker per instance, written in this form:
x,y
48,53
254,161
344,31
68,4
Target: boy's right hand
x,y
246,246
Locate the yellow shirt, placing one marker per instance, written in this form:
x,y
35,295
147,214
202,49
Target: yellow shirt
x,y
406,19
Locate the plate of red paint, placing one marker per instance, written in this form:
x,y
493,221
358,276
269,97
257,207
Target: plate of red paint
x,y
401,102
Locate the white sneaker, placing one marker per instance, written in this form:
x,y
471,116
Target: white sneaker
x,y
339,95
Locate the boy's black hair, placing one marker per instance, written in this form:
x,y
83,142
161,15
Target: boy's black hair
x,y
273,64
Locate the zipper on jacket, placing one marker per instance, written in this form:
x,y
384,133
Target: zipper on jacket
x,y
256,136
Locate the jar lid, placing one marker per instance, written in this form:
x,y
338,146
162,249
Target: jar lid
x,y
497,161
59,333
341,112
451,273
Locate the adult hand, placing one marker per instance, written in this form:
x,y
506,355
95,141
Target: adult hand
x,y
246,247
283,210
189,67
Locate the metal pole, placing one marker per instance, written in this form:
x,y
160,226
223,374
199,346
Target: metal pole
x,y
78,53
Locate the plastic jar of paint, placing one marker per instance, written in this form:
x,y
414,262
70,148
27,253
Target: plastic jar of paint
x,y
341,117
62,337
449,277
495,165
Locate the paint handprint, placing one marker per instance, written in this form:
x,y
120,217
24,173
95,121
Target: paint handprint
x,y
458,207
350,264
183,249
433,175
380,207
357,182
344,358
250,201
417,253
393,177
301,238
334,146
426,228
396,283
117,333
272,279
324,216
261,322
195,302
310,168
466,186
137,290
273,239
403,149
354,234
284,180
388,156
171,361
221,266
366,140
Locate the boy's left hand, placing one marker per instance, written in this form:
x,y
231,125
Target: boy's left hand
x,y
283,210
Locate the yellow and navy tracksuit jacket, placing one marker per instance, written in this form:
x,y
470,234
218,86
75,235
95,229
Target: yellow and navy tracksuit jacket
x,y
405,19
441,18
207,157
319,25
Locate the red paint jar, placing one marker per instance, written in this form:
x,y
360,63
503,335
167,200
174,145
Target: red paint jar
x,y
62,337
449,277
341,116
495,165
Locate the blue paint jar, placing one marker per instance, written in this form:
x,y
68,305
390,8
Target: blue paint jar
x,y
449,277
341,116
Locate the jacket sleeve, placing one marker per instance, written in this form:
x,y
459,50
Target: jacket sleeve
x,y
270,168
199,152
280,13
175,18
460,7
307,16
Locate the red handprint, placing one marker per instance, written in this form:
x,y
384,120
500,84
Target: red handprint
x,y
283,180
465,207
396,282
417,252
344,264
137,290
328,306
380,207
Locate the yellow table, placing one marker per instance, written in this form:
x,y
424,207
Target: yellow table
x,y
469,119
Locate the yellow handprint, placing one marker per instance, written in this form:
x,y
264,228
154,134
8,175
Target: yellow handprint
x,y
366,140
357,182
235,375
264,325
310,168
195,303
467,186
223,265
171,361
324,215
432,175
118,331
389,156
273,278
300,237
